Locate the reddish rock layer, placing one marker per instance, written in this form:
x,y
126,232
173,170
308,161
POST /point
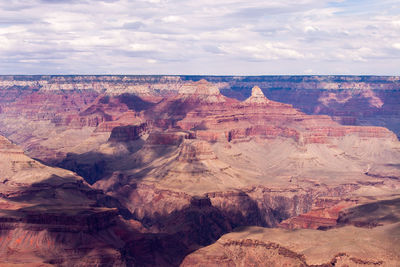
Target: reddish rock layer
x,y
318,217
258,116
128,133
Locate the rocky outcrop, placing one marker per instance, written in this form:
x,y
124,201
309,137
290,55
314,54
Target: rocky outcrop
x,y
195,151
201,91
168,137
319,217
128,133
323,134
125,119
7,147
257,97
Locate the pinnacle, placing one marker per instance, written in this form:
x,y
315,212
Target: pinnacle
x,y
256,92
257,96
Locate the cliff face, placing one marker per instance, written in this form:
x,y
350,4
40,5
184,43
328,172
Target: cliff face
x,y
128,133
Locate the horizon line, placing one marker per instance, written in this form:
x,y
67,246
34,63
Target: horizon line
x,y
211,75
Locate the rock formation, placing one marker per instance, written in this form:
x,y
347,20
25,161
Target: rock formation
x,y
171,164
257,97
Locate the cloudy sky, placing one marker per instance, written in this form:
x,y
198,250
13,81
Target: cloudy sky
x,y
221,37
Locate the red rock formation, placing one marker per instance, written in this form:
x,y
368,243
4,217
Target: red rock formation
x,y
368,99
47,105
320,217
195,106
195,151
257,97
168,137
7,147
128,133
323,134
178,164
258,116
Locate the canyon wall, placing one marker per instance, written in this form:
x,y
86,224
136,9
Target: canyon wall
x,y
171,163
351,100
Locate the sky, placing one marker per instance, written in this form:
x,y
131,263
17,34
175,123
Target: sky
x,y
195,37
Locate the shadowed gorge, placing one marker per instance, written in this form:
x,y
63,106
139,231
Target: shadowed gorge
x,y
199,170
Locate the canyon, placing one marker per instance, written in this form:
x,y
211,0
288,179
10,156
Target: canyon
x,y
199,170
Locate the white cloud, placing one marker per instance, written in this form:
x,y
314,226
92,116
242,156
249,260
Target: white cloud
x,y
141,47
396,45
29,61
173,19
266,51
199,36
